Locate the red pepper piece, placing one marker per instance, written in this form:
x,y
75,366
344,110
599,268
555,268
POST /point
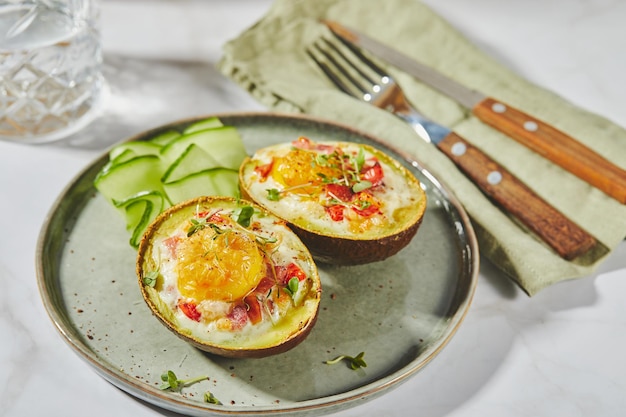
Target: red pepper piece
x,y
373,174
285,273
190,310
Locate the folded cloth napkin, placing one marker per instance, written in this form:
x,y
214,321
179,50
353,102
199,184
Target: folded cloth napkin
x,y
269,61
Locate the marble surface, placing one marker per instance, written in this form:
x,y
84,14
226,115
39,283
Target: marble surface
x,y
559,353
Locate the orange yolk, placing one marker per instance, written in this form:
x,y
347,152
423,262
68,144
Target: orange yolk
x,y
298,168
223,267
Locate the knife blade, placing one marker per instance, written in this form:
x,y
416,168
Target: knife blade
x,y
544,139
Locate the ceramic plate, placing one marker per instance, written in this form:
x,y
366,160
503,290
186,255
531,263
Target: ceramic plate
x,y
401,312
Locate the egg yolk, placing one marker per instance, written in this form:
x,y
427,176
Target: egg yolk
x,y
299,168
222,266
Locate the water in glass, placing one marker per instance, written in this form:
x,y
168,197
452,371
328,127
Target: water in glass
x,y
50,68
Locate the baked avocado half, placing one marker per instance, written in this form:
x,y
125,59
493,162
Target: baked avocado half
x,y
350,203
229,277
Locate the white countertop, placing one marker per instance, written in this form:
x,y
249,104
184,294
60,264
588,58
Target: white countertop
x,y
559,353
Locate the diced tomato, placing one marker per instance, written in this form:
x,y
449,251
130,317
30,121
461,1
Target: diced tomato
x,y
189,310
171,243
216,217
264,170
366,205
302,143
253,308
373,173
335,212
238,317
340,191
369,211
285,273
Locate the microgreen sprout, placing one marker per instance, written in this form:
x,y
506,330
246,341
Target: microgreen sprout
x,y
355,362
150,278
361,186
273,194
265,240
292,286
210,398
244,215
196,225
171,381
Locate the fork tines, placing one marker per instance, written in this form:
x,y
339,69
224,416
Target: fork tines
x,y
349,69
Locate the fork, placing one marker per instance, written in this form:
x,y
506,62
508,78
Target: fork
x,y
349,69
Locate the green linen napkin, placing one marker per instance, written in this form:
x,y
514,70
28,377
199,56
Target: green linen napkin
x,y
269,61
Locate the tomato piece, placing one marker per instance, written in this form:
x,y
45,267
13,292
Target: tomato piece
x,y
302,143
335,212
285,273
373,173
253,308
339,191
366,205
189,310
264,170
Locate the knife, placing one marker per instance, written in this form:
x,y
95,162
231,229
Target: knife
x,y
539,136
560,233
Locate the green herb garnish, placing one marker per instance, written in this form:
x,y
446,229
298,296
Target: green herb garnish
x,y
196,225
273,194
210,398
171,382
292,286
361,186
244,215
355,362
150,278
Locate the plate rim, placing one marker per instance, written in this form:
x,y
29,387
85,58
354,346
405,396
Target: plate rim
x,y
183,405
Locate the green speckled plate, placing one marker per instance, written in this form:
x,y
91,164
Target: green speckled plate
x,y
401,312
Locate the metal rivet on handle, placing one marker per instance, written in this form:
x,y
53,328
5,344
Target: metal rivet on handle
x,y
498,107
494,177
530,126
458,149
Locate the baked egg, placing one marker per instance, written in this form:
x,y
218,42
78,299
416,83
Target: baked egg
x,y
229,277
350,203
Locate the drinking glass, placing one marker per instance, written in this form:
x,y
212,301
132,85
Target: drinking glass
x,y
50,68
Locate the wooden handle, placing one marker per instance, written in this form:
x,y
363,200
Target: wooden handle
x,y
556,146
559,232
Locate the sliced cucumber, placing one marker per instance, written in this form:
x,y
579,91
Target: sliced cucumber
x,y
165,137
122,157
209,123
223,144
193,159
142,178
216,181
120,181
139,147
139,211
